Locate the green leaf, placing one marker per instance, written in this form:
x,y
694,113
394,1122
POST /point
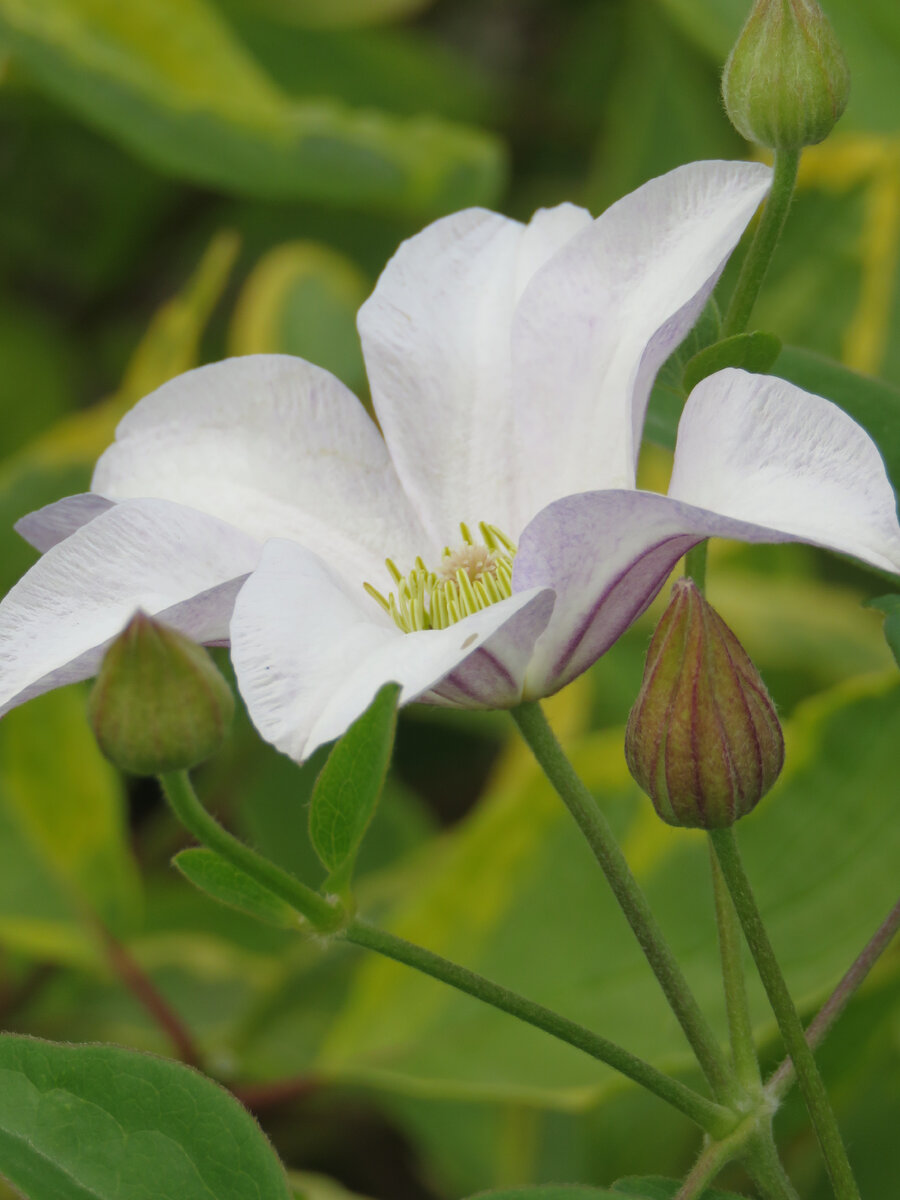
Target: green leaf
x,y
224,882
872,402
317,1187
331,14
346,793
102,1123
168,80
890,606
750,351
548,1191
302,298
64,857
499,894
652,1187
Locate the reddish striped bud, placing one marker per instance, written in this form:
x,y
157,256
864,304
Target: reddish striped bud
x,y
703,740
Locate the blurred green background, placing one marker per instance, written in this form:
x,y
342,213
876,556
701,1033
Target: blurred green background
x,y
186,179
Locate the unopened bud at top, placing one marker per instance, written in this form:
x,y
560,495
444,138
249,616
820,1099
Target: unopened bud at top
x,y
159,704
703,740
786,81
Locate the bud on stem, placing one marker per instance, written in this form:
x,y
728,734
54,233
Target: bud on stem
x,y
703,740
786,81
159,703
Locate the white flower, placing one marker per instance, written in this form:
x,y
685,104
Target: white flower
x,y
252,500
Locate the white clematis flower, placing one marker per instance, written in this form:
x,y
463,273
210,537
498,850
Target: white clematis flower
x,y
253,501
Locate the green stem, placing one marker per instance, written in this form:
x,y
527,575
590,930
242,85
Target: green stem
x,y
593,824
715,1119
179,791
782,1079
759,255
695,565
810,1080
740,1025
715,1156
765,1167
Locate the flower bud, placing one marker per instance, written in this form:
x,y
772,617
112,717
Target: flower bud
x,y
159,703
786,81
703,740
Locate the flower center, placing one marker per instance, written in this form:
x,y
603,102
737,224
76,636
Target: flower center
x,y
468,578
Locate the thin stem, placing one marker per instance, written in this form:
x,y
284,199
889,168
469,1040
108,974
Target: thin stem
x,y
260,1096
740,1025
593,824
759,255
145,991
810,1080
183,800
765,1168
715,1156
695,565
715,1119
783,1077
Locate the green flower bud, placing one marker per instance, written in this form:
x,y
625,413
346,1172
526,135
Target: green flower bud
x,y
703,740
786,81
159,703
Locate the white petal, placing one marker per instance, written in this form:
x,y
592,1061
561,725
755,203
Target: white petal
x,y
606,555
436,339
596,323
310,655
759,449
53,523
170,561
276,447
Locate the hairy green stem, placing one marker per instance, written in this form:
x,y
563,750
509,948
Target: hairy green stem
x,y
179,791
765,1168
783,1077
740,1025
814,1093
593,824
759,255
715,1119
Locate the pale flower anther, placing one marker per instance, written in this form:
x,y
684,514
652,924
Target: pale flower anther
x,y
468,578
254,501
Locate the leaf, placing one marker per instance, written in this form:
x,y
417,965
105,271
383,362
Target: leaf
x,y
332,14
224,882
99,1122
548,1191
890,606
514,893
346,793
668,395
169,81
301,298
64,858
750,351
317,1187
872,402
653,1187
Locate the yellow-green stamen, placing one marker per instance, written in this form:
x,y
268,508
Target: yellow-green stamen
x,y
468,579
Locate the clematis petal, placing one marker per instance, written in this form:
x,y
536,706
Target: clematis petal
x,y
170,561
606,555
309,656
436,339
598,320
759,449
53,523
274,446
